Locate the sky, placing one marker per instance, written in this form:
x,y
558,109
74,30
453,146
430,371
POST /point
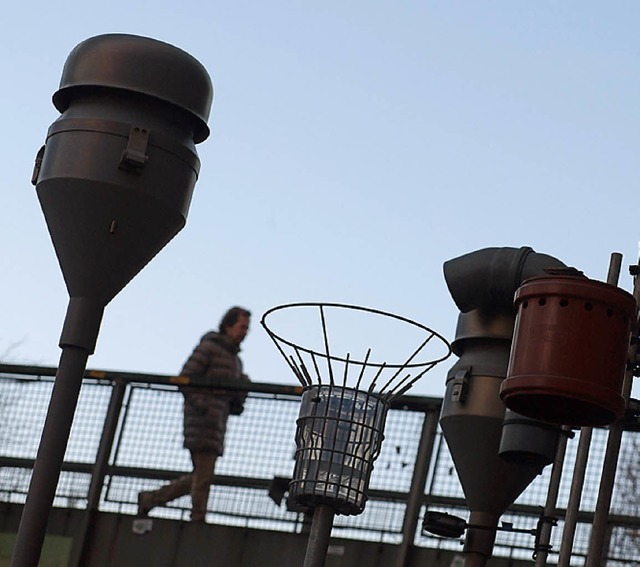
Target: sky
x,y
355,147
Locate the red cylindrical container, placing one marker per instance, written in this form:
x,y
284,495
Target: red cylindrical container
x,y
569,351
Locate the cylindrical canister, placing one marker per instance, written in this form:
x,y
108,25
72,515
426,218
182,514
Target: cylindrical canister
x,y
338,438
569,352
528,441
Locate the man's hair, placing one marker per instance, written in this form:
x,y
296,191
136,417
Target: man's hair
x,y
230,318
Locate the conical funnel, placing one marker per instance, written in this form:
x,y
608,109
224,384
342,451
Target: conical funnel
x,y
472,420
117,172
473,431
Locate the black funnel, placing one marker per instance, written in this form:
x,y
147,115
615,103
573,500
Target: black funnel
x,y
116,175
472,422
473,414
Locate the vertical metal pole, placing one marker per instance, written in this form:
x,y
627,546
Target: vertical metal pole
x,y
603,504
575,496
318,543
480,538
78,339
582,457
81,539
552,498
418,481
46,469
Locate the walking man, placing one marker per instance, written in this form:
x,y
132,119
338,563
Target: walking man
x,y
206,411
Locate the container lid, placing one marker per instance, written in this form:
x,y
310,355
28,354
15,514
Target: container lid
x,y
140,65
579,288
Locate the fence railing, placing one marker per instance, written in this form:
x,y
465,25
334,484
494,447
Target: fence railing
x,y
127,437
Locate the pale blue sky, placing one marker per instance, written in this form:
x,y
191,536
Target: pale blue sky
x,y
355,147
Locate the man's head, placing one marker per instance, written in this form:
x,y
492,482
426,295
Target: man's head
x,y
235,324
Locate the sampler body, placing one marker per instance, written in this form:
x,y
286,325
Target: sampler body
x,y
338,438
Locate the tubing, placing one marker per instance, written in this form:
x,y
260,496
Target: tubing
x,y
318,543
491,276
78,339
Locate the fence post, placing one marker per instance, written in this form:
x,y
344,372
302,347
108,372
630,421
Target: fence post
x,y
83,538
418,481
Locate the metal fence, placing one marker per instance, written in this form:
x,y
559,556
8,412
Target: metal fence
x,y
142,448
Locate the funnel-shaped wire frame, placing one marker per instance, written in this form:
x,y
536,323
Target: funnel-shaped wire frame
x,y
304,362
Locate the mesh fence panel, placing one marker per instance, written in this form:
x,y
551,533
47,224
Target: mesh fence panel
x,y
260,446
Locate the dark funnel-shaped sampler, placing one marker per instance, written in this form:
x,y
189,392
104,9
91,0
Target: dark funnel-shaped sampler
x,y
117,172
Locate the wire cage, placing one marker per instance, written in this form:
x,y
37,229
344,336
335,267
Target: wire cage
x,y
339,434
345,400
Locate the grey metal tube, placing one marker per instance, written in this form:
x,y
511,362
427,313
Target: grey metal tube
x,y
582,456
552,499
491,276
479,540
599,529
318,543
46,471
575,496
418,481
78,339
603,504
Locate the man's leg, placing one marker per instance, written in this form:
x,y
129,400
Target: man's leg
x,y
150,499
203,465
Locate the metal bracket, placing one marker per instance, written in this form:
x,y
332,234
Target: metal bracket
x,y
460,385
537,533
134,156
37,166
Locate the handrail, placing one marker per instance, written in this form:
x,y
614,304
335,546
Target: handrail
x,y
413,402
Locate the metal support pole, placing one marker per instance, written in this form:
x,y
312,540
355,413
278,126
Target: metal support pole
x,y
480,538
418,481
78,339
318,543
607,480
46,469
552,499
82,538
582,456
575,496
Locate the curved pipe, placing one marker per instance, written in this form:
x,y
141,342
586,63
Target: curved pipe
x,y
491,276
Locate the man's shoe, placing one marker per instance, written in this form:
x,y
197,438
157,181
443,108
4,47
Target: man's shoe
x,y
145,503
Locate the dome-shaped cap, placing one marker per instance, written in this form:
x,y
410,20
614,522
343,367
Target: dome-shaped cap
x,y
142,65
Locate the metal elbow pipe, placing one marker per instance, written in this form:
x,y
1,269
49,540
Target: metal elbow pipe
x,y
491,276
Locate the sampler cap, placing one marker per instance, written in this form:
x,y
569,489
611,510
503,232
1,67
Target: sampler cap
x,y
140,65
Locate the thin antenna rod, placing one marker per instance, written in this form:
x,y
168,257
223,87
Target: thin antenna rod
x,y
346,371
364,365
402,386
326,344
375,378
315,365
289,362
304,368
296,370
403,366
